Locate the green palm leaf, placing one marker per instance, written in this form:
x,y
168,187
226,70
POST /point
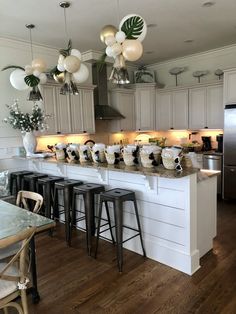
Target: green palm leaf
x,y
31,80
133,27
12,67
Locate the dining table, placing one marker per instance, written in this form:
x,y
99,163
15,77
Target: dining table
x,y
13,220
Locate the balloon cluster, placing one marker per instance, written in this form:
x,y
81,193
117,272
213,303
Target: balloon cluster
x,y
127,40
71,63
29,76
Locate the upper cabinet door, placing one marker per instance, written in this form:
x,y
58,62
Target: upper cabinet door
x,y
123,101
180,109
76,113
230,87
63,112
88,111
215,107
197,108
144,107
164,111
50,108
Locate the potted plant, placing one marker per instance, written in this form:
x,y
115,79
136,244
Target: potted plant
x,y
27,123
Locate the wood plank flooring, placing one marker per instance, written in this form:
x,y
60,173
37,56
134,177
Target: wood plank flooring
x,y
72,282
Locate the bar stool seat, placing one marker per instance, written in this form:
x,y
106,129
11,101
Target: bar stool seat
x,y
88,191
29,182
117,197
66,187
47,184
16,180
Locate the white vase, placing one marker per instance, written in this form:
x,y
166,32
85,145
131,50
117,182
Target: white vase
x,y
30,143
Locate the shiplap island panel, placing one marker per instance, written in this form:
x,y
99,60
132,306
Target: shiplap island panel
x,y
178,227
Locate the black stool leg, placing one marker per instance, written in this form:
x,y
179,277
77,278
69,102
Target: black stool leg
x,y
67,214
18,184
12,180
139,226
98,227
89,209
109,222
55,204
47,197
118,209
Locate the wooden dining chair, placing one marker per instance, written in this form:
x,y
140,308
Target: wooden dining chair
x,y
25,198
14,274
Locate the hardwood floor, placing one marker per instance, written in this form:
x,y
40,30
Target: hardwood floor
x,y
72,282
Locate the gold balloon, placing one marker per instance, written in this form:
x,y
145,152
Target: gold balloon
x,y
132,49
59,78
108,30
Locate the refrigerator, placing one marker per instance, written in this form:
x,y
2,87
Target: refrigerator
x,y
229,150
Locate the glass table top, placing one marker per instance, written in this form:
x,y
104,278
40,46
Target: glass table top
x,y
14,219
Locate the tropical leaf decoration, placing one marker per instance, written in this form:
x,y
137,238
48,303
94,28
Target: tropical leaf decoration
x,y
55,71
66,52
31,80
133,27
12,67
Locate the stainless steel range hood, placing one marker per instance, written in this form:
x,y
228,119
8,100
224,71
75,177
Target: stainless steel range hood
x,y
102,110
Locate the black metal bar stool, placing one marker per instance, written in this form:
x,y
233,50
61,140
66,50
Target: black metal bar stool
x,y
88,191
66,187
118,197
47,184
29,182
16,180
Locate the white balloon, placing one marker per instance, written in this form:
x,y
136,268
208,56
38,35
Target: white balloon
x,y
36,73
81,75
110,40
61,59
76,53
61,67
28,70
39,64
43,78
116,49
109,51
144,32
120,37
17,79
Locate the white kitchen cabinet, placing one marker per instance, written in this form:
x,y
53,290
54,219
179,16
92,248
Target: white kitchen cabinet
x,y
123,100
71,113
172,110
50,109
215,107
206,107
197,108
145,98
230,86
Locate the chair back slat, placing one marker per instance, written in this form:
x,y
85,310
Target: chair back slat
x,y
23,198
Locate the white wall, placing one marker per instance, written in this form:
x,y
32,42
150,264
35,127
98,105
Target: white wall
x,y
222,58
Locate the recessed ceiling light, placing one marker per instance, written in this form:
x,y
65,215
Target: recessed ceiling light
x,y
208,4
188,41
151,25
149,52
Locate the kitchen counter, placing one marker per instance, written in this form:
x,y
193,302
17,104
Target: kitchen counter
x,y
159,171
177,210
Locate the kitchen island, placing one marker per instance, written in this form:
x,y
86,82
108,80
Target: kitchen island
x,y
177,209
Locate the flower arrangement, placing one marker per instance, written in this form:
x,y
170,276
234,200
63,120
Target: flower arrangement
x,y
26,122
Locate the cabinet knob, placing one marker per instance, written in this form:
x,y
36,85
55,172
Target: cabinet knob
x,y
206,127
172,128
84,131
121,130
139,129
58,132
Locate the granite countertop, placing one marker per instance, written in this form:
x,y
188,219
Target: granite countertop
x,y
204,174
121,167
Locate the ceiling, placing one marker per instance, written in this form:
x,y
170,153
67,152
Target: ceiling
x,y
176,20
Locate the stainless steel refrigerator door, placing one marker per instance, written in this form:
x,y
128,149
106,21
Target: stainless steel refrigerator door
x,y
229,185
230,137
